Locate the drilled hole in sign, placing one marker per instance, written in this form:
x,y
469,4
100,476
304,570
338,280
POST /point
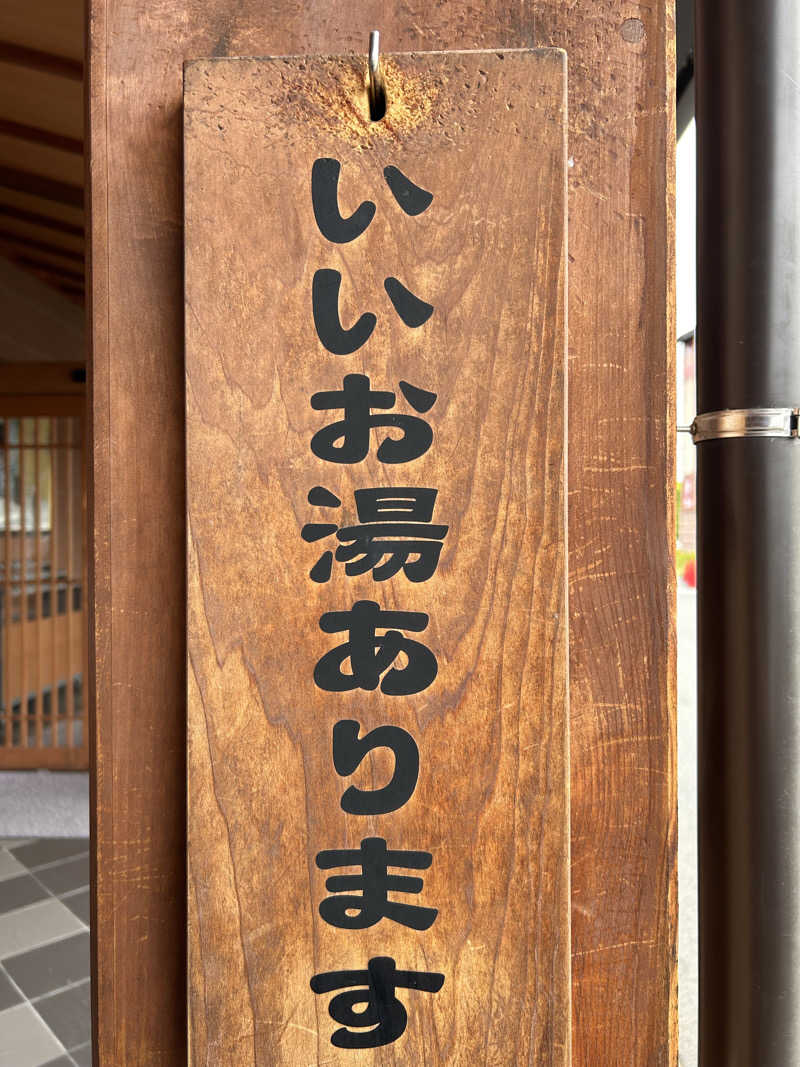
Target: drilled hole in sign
x,y
377,103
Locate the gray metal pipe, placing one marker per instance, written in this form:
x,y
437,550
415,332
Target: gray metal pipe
x,y
747,70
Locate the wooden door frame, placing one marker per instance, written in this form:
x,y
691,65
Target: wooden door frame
x,y
44,388
621,492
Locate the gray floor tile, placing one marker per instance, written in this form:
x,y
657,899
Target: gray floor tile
x,y
15,842
82,1056
68,1014
49,850
8,994
25,1041
62,1061
9,867
64,877
79,904
18,892
50,967
37,925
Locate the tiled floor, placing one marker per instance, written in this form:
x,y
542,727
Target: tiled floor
x,y
44,953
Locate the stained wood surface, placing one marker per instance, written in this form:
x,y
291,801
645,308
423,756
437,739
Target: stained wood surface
x,y
485,134
620,474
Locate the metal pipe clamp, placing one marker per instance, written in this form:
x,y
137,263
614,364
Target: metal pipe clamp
x,y
745,422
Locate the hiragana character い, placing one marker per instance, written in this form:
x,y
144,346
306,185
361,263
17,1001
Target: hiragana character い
x,y
337,228
341,341
325,201
413,199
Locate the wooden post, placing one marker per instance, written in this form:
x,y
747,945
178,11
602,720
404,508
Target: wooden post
x,y
620,491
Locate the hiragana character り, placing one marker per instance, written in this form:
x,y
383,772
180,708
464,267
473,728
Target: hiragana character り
x,y
348,753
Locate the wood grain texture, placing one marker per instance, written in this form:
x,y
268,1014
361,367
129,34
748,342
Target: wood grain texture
x,y
620,497
485,133
621,474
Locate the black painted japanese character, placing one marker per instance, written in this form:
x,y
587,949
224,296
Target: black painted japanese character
x,y
348,753
341,341
369,902
375,989
413,199
413,311
357,400
382,542
336,228
325,173
325,305
372,655
325,201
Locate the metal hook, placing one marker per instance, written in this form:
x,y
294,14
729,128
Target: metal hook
x,y
377,87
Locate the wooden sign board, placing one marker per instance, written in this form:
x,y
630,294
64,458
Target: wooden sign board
x,y
377,628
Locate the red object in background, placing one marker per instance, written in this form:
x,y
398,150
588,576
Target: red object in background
x,y
690,573
687,493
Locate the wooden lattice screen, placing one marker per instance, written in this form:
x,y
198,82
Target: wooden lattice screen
x,y
42,564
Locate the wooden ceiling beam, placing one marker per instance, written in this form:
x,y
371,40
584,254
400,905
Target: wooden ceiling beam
x,y
76,294
38,136
36,185
20,56
39,324
20,240
41,266
10,211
